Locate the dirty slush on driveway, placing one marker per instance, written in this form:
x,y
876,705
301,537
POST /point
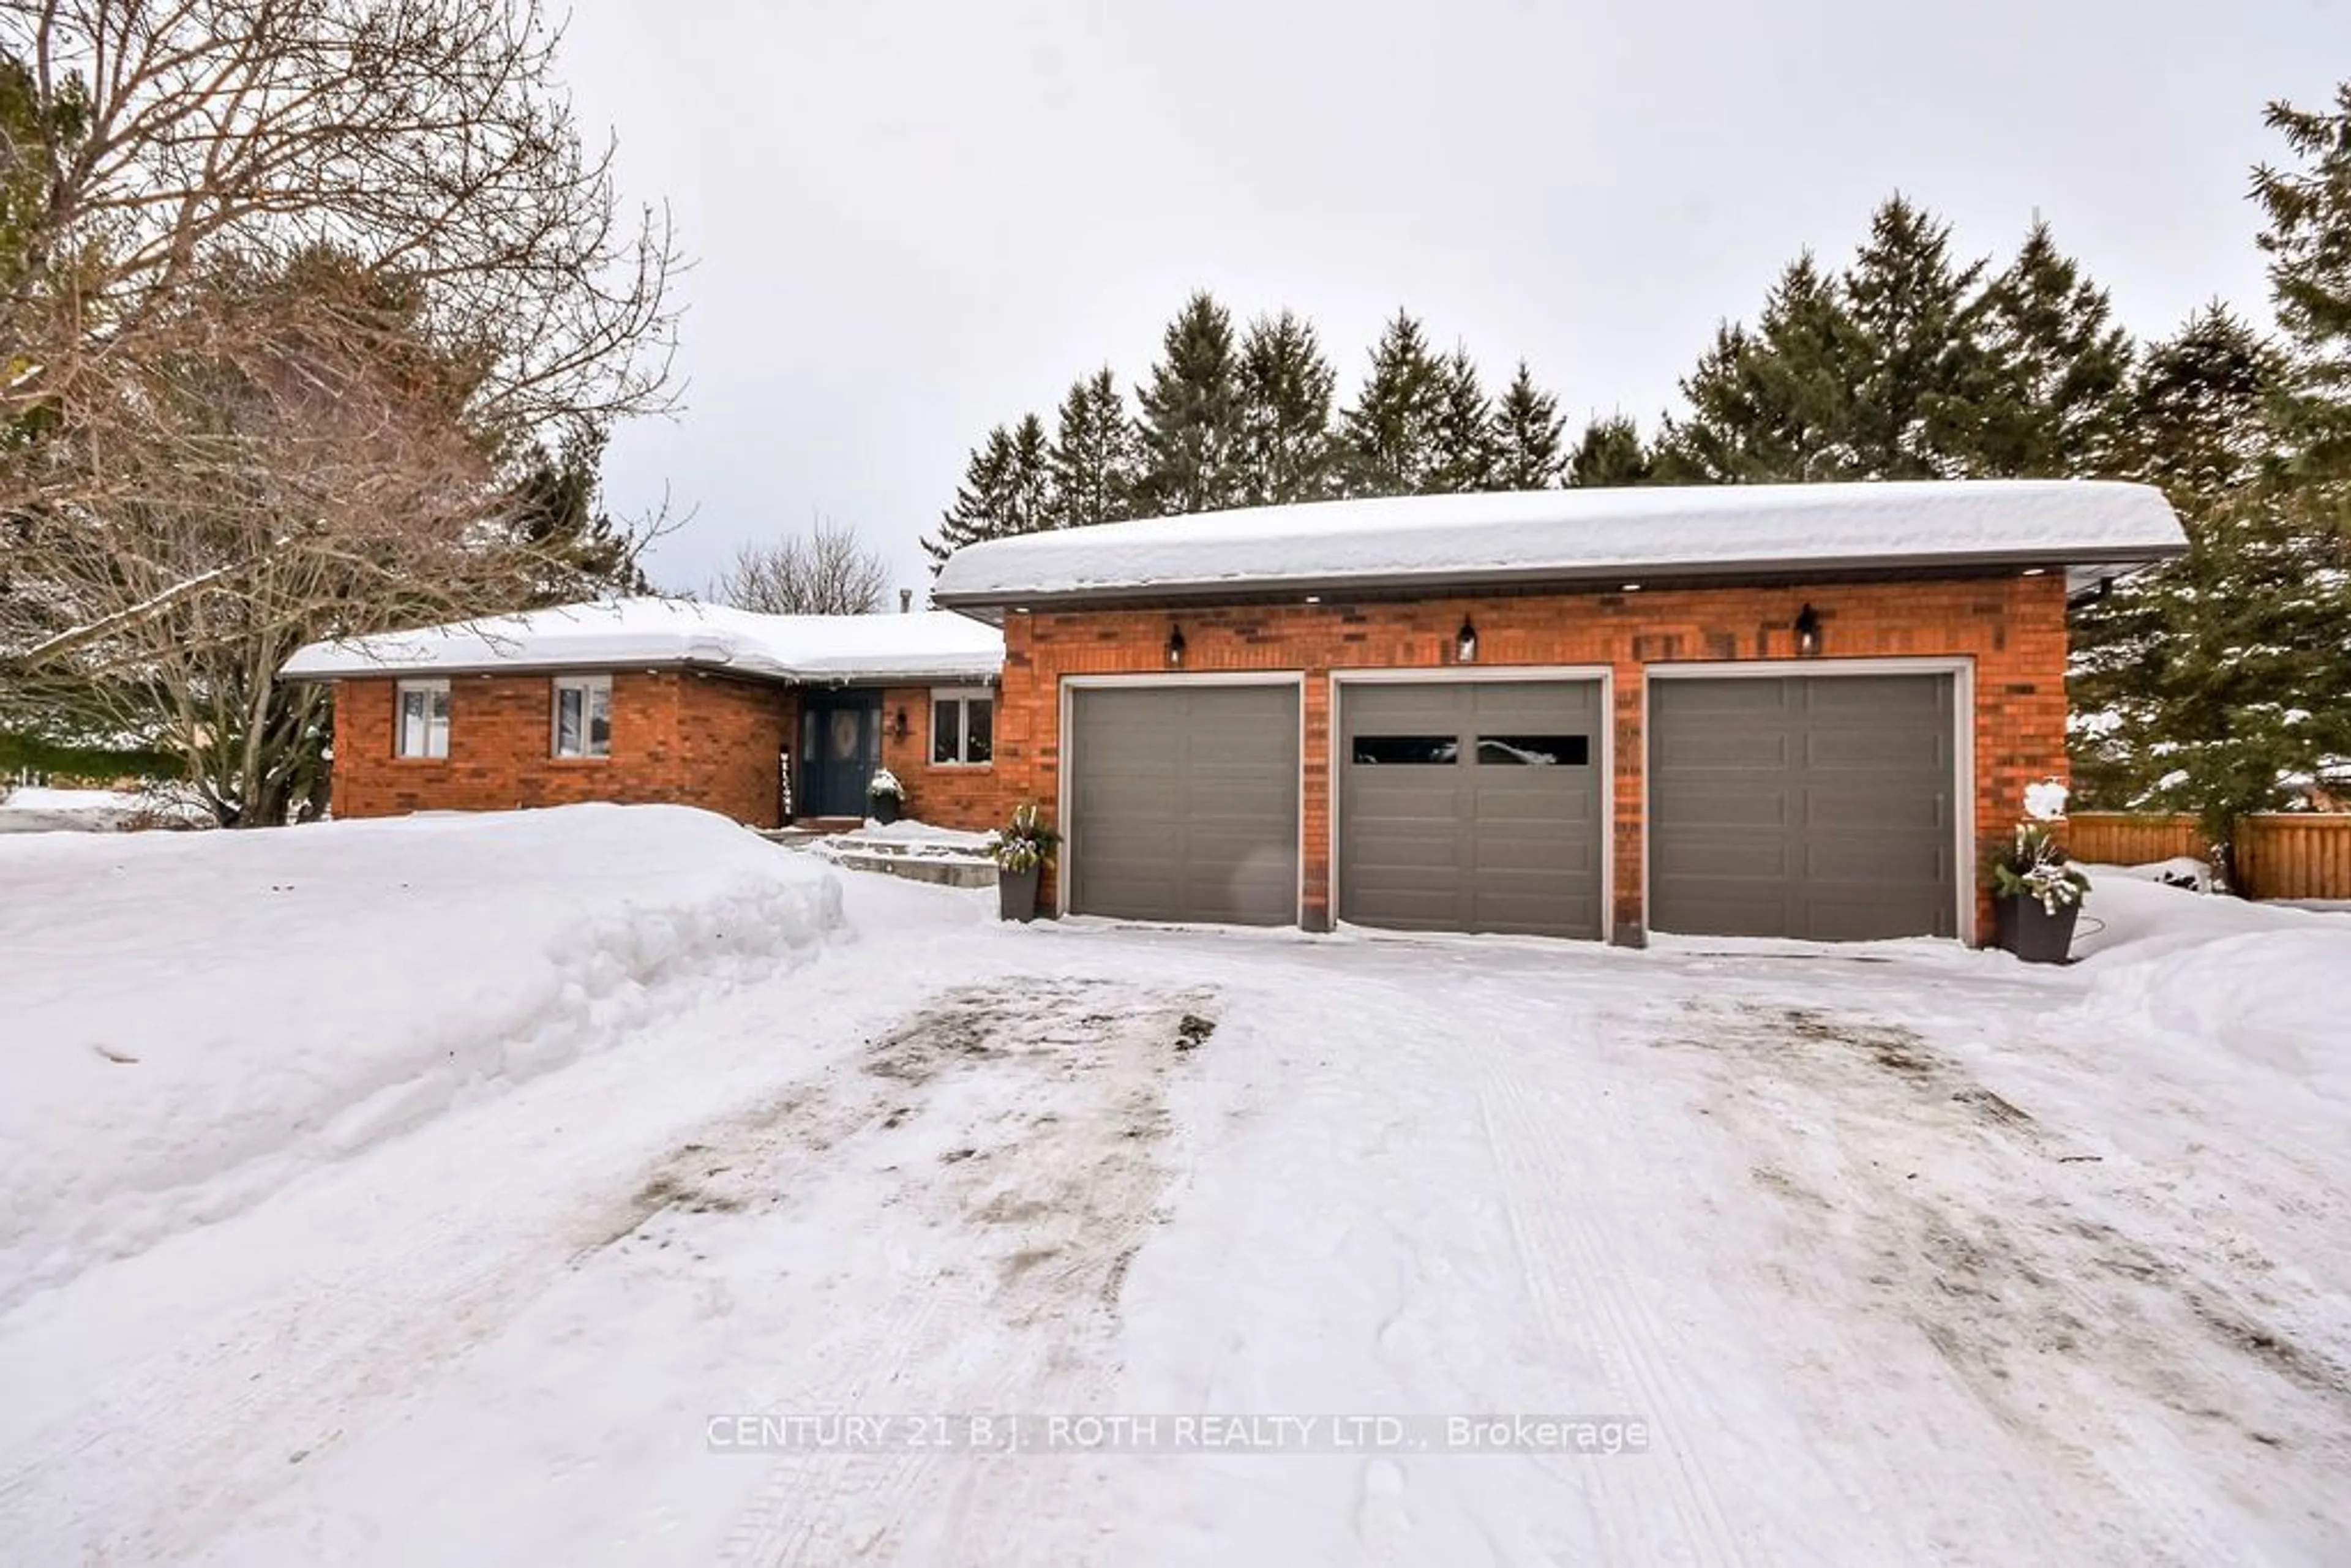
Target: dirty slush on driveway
x,y
1024,1122
2081,1307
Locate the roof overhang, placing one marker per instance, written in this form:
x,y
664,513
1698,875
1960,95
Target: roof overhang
x,y
2082,577
936,676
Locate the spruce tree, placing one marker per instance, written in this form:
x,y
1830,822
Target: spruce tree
x,y
1007,489
577,550
1774,402
1465,456
1029,480
1287,450
1610,453
1091,466
2058,370
2211,683
1527,434
1391,434
1190,426
2308,237
1923,372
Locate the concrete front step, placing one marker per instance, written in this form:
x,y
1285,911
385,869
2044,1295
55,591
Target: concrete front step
x,y
944,870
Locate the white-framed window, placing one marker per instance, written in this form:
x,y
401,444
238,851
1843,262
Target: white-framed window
x,y
422,719
963,727
583,716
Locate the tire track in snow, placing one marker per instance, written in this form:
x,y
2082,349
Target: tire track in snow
x,y
323,1347
325,1352
1574,1274
1064,1191
1990,1298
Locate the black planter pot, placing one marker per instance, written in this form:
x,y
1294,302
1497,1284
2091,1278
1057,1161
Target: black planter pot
x,y
884,808
2031,933
1015,893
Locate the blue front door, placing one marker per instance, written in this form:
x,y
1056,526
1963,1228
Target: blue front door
x,y
840,746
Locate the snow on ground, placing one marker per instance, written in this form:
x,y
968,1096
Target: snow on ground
x,y
30,810
196,1018
1901,1256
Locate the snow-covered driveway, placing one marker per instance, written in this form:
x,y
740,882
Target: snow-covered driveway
x,y
1911,1255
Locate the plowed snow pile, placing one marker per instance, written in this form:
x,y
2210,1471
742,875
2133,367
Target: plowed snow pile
x,y
191,1020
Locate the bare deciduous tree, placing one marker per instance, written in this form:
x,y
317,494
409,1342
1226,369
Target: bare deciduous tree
x,y
296,298
825,572
304,475
422,138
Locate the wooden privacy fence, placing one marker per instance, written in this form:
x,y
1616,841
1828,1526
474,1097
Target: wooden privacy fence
x,y
2280,855
2296,854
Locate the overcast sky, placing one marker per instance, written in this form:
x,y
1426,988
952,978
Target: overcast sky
x,y
912,220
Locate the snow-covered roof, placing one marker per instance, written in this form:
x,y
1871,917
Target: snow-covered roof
x,y
935,645
1566,536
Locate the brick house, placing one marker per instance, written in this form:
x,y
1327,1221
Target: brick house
x,y
653,700
1800,711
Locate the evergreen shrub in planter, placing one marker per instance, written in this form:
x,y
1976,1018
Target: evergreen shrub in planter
x,y
2037,889
1021,851
885,797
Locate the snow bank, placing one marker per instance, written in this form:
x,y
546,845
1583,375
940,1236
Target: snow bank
x,y
2250,984
29,810
932,645
1587,533
193,1020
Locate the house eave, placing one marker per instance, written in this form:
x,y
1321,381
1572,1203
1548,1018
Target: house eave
x,y
827,679
2083,570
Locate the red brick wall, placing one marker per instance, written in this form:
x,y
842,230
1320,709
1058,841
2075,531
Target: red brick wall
x,y
955,796
678,736
2013,629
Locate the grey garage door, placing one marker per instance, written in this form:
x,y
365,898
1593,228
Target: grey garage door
x,y
1819,806
1184,803
1471,806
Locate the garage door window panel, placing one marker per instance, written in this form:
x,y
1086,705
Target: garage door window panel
x,y
1534,750
1407,750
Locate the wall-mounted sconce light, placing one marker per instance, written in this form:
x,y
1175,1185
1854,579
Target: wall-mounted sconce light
x,y
898,726
1175,646
1465,643
1808,630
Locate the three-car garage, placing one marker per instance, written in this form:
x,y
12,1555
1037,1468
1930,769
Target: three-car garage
x,y
1798,712
1815,804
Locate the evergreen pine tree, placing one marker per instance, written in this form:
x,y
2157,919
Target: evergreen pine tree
x,y
2307,238
1092,463
1287,451
2058,369
1029,480
1776,403
1007,489
980,503
1610,453
2209,682
1923,373
1527,433
578,551
1190,427
1390,434
1465,456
